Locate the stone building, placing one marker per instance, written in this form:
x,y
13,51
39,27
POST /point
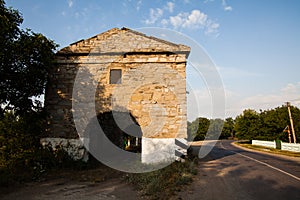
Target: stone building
x,y
134,84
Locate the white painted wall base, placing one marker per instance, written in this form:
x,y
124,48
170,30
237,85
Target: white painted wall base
x,y
264,143
154,150
290,147
159,150
74,147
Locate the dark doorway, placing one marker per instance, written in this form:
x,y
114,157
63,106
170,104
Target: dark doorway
x,y
122,129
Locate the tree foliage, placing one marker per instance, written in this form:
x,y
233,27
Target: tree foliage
x,y
215,129
203,128
263,125
198,128
228,128
25,59
247,125
266,125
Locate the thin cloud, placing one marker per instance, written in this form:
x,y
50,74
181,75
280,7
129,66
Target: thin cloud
x,y
225,6
154,15
70,3
265,101
170,6
194,20
138,5
157,13
211,27
231,72
164,22
228,8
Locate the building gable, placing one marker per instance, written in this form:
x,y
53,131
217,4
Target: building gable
x,y
122,41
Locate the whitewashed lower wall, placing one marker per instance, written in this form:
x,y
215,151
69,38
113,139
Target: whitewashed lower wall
x,y
154,150
74,147
157,150
264,143
290,147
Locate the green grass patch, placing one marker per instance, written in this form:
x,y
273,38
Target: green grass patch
x,y
163,183
267,149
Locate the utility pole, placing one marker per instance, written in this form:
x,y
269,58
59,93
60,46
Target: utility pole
x,y
287,129
291,119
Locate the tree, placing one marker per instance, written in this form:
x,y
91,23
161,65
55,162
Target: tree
x,y
275,120
228,129
248,125
215,129
25,59
266,125
197,130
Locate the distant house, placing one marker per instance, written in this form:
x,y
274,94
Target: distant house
x,y
124,73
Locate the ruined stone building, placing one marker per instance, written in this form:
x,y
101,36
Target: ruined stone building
x,y
141,78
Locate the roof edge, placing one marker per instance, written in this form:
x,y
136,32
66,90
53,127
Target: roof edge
x,y
69,49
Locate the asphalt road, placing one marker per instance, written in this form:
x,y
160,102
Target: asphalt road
x,y
229,172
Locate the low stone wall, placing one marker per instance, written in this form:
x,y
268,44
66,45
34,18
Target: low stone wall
x,y
74,147
264,143
290,147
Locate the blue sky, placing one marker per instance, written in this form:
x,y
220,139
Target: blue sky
x,y
254,44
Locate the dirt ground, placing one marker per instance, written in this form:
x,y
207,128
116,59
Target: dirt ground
x,y
99,183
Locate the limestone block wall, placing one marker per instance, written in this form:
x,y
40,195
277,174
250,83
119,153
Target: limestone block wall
x,y
153,87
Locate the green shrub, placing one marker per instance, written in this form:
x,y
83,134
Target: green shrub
x,y
21,155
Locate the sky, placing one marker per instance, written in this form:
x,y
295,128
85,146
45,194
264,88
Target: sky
x,y
254,44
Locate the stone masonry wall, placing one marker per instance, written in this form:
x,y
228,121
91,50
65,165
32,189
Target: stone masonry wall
x,y
153,84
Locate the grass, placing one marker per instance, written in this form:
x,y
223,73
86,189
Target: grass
x,y
248,145
163,183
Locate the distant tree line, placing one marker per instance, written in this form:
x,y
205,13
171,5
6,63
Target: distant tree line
x,y
263,125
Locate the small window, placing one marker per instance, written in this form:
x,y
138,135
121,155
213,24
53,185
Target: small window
x,y
115,76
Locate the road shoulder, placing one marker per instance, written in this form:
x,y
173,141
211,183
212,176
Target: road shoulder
x,y
265,151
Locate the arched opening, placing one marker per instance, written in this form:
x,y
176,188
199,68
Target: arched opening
x,y
121,129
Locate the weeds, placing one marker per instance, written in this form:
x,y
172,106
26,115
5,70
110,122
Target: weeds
x,y
163,183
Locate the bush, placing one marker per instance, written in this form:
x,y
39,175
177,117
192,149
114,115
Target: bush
x,y
21,155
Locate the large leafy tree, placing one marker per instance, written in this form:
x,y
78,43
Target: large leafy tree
x,y
197,130
248,125
25,58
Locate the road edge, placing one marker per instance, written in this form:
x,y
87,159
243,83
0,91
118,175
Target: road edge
x,y
234,143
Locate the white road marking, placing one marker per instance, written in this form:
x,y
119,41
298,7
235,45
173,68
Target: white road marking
x,y
263,163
